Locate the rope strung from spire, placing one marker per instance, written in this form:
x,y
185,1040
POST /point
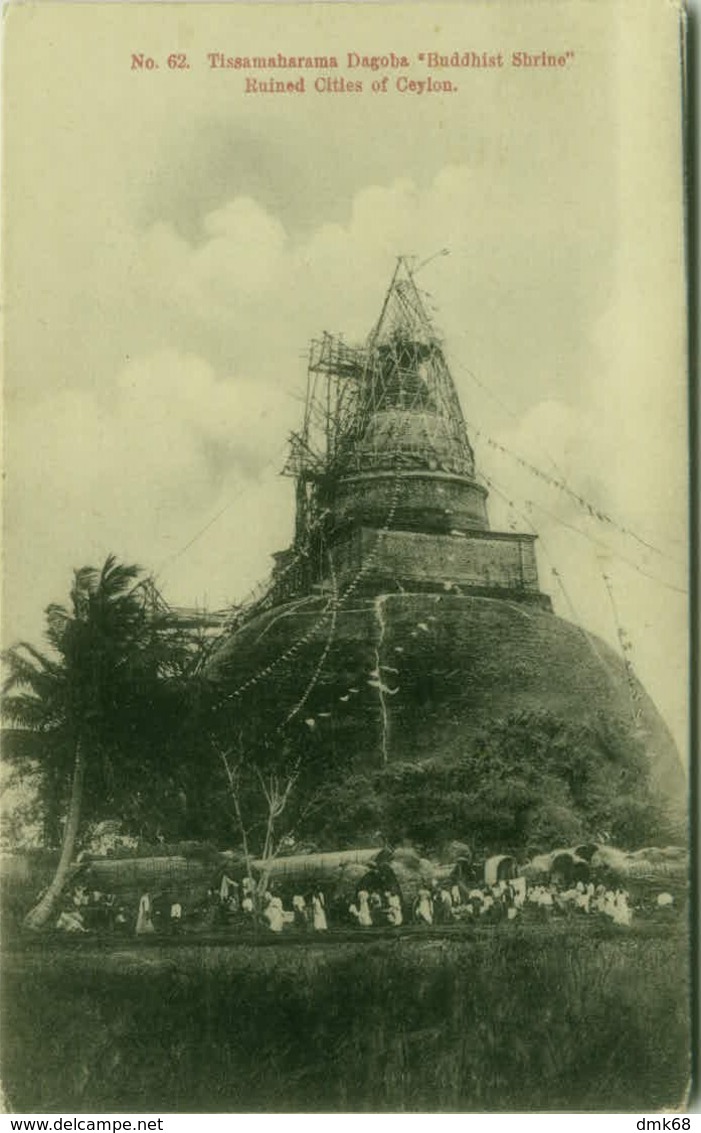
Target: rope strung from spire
x,y
529,504
322,660
616,554
332,607
503,406
558,578
210,523
562,486
634,688
261,595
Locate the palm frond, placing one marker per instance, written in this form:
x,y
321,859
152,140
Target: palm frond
x,y
109,679
116,578
26,671
47,664
30,712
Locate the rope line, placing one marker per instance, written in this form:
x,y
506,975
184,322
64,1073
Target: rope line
x,y
322,660
332,607
562,486
634,690
585,535
558,578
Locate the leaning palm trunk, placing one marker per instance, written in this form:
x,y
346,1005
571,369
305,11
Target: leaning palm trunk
x,y
44,909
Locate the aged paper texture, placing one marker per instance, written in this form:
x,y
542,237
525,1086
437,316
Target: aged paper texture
x,y
362,787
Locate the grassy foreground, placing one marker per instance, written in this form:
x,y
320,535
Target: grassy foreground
x,y
507,1020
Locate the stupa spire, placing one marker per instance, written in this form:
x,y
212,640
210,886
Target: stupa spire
x,y
407,411
386,485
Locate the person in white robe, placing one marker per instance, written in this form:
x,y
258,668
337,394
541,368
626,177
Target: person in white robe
x,y
364,914
621,912
582,901
319,913
274,914
144,920
423,911
80,897
227,885
70,920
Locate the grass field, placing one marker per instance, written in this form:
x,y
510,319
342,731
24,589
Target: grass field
x,y
516,1018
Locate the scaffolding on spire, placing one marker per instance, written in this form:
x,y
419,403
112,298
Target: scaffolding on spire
x,y
385,405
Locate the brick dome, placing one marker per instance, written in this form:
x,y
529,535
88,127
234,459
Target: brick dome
x,y
449,665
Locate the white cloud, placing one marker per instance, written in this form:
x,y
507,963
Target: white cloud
x,y
137,469
147,453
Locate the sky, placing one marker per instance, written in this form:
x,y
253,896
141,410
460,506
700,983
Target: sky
x,y
172,245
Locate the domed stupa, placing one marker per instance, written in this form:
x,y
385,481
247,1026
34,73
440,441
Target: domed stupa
x,y
398,624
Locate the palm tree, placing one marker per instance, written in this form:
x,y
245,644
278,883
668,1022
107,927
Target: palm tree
x,y
105,649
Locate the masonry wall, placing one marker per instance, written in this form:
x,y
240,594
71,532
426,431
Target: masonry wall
x,y
459,662
428,501
491,560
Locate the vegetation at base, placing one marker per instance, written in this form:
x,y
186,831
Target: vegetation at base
x,y
530,782
115,721
514,1020
524,784
118,722
93,707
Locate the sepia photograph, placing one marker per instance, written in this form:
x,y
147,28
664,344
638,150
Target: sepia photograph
x,y
345,593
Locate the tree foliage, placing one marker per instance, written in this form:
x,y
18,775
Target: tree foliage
x,y
119,677
91,712
527,783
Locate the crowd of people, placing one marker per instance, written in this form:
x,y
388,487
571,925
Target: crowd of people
x,y
232,903
511,899
87,910
229,903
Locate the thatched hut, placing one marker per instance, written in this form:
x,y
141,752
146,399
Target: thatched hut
x,y
457,852
128,878
311,869
413,873
586,850
563,866
656,866
538,868
500,867
338,875
567,868
186,877
342,875
351,879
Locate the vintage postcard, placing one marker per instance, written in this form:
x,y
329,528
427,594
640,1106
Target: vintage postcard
x,y
345,593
